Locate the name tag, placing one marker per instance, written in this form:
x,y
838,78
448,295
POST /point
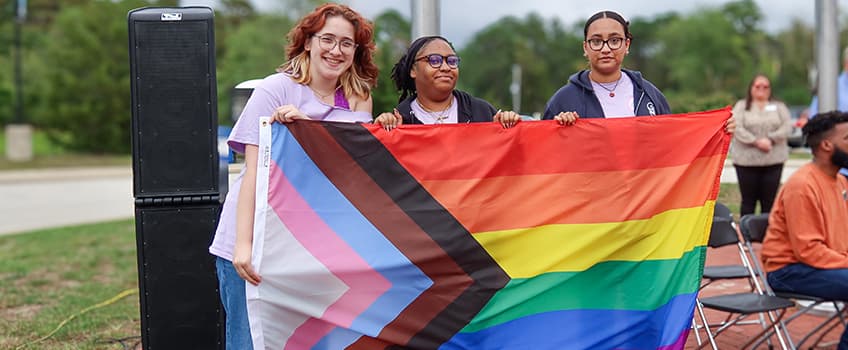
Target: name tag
x,y
770,108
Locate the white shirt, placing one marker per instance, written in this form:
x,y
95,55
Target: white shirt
x,y
620,105
448,116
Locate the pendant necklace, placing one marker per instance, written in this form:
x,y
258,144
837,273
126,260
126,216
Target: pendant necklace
x,y
438,116
610,90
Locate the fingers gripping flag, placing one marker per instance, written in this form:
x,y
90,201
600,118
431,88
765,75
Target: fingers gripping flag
x,y
470,236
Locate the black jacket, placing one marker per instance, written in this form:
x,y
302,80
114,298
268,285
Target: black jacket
x,y
578,96
470,109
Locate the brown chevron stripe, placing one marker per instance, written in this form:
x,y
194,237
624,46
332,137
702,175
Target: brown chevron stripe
x,y
465,276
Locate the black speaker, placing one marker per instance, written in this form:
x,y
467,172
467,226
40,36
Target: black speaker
x,y
180,306
174,99
176,178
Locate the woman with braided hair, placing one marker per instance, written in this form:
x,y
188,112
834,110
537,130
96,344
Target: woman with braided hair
x,y
426,78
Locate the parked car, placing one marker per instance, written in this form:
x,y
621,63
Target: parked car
x,y
798,117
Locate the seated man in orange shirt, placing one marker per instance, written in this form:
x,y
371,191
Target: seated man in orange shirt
x,y
806,246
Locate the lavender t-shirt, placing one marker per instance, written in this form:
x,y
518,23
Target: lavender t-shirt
x,y
274,91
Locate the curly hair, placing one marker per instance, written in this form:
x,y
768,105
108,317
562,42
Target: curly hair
x,y
400,72
820,126
362,75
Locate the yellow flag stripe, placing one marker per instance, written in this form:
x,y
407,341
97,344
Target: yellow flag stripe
x,y
529,252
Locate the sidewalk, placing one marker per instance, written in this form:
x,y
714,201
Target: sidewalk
x,y
34,199
46,198
728,174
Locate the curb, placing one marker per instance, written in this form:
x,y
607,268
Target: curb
x,y
75,173
84,173
52,174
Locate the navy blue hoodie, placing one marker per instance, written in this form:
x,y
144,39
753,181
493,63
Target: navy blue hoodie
x,y
578,96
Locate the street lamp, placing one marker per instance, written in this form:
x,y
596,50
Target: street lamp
x,y
19,134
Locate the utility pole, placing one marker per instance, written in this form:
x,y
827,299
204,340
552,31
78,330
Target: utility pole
x,y
515,87
20,14
827,54
18,133
425,18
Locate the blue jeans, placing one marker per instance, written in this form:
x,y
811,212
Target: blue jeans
x,y
823,283
235,306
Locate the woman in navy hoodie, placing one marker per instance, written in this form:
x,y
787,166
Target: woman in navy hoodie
x,y
606,90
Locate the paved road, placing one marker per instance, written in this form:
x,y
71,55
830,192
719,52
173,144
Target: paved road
x,y
728,175
36,199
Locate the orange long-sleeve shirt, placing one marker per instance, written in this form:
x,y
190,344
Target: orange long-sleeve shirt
x,y
809,222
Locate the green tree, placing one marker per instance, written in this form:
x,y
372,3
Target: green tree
x,y
546,53
704,65
86,83
794,49
646,46
391,34
253,51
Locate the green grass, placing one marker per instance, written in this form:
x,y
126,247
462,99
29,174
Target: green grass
x,y
47,154
800,153
729,196
49,275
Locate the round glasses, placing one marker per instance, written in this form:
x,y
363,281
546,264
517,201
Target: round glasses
x,y
435,60
598,44
328,42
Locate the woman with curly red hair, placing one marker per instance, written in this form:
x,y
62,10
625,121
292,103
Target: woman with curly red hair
x,y
328,75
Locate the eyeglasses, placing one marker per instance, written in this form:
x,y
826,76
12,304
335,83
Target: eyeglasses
x,y
598,44
328,42
435,60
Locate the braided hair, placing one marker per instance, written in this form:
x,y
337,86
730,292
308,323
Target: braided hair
x,y
400,72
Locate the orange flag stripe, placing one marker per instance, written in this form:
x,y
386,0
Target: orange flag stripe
x,y
502,203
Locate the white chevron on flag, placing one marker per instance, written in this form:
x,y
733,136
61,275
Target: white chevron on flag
x,y
295,286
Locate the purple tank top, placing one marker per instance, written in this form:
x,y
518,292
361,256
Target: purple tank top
x,y
340,100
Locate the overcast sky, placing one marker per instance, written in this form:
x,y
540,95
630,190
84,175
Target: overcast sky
x,y
462,18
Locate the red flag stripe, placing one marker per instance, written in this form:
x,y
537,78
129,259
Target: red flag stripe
x,y
529,148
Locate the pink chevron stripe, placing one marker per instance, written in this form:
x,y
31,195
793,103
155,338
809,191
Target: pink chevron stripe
x,y
366,284
681,341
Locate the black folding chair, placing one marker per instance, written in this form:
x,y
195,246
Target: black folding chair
x,y
724,233
753,228
739,306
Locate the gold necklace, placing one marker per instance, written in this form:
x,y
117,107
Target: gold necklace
x,y
323,96
438,116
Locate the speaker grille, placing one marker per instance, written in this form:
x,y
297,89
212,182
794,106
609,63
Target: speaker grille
x,y
179,288
175,122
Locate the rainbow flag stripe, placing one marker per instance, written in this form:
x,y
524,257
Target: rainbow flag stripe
x,y
470,236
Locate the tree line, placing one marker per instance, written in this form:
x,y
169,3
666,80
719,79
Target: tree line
x,y
76,65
